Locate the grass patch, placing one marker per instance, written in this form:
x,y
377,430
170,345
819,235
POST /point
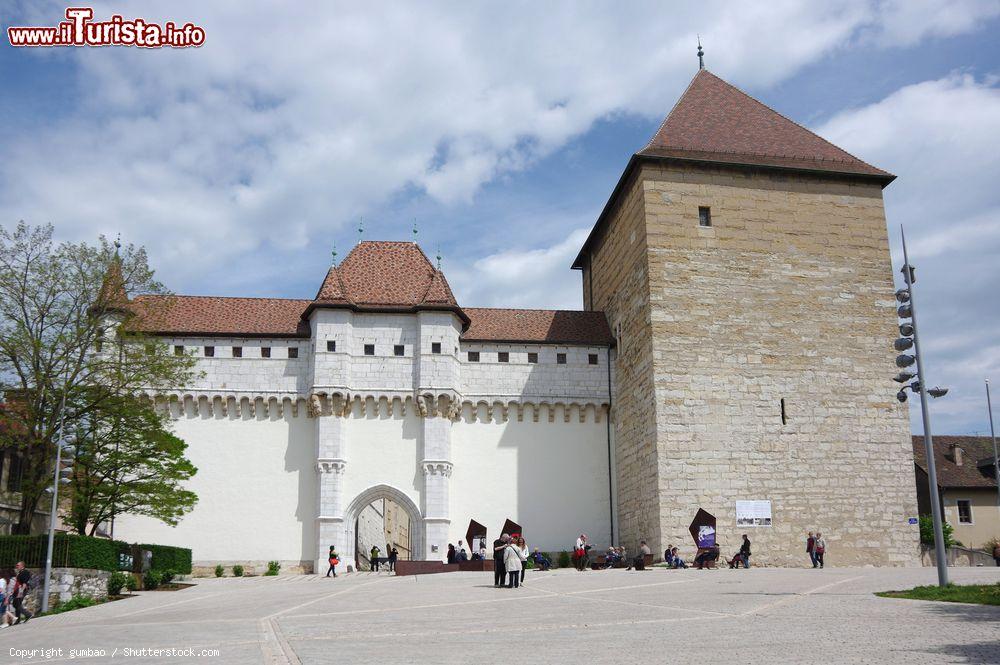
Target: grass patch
x,y
979,594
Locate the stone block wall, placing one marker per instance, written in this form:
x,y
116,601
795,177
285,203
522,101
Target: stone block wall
x,y
65,583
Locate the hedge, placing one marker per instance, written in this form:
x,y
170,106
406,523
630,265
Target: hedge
x,y
73,551
165,557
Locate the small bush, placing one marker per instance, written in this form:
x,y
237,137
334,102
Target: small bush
x,y
131,583
151,579
927,531
237,570
219,570
564,559
74,603
273,567
167,576
117,582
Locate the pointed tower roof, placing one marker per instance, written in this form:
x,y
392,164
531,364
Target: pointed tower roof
x,y
717,122
331,290
112,296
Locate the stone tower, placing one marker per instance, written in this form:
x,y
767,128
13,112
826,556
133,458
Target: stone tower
x,y
743,264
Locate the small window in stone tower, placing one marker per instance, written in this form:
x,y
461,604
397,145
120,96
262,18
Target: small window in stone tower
x,y
265,352
592,358
704,216
473,356
533,358
178,350
209,351
784,414
237,352
560,358
503,357
964,511
293,352
331,345
398,350
435,347
369,349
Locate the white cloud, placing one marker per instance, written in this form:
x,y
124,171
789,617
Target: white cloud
x,y
286,125
940,138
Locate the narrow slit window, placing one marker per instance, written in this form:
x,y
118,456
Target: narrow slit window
x,y
503,357
209,351
704,216
265,352
532,358
473,356
331,345
784,414
369,349
398,350
435,347
293,352
237,352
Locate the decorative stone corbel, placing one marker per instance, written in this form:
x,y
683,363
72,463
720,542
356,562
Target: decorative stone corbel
x,y
437,468
331,466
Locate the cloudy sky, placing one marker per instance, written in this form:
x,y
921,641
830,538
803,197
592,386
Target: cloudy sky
x,y
500,129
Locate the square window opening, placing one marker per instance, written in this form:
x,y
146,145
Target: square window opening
x,y
293,352
560,358
209,351
237,352
178,350
331,345
704,216
473,356
503,357
369,349
265,352
533,358
592,358
398,350
435,347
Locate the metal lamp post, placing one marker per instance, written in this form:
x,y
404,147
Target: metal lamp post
x,y
910,310
996,460
55,504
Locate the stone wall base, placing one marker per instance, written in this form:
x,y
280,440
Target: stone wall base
x,y
65,583
250,567
957,556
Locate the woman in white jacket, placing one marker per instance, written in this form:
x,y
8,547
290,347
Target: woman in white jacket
x,y
522,551
512,563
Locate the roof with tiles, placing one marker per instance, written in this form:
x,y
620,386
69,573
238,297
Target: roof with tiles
x,y
538,325
212,316
976,469
716,121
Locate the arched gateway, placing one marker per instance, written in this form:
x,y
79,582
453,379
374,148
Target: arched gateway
x,y
363,500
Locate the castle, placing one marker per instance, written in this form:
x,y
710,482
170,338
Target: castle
x,y
735,354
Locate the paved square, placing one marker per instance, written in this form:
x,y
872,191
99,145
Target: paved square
x,y
655,616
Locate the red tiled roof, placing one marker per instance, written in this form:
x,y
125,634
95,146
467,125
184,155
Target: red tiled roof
x,y
537,325
216,316
386,274
715,121
112,296
949,474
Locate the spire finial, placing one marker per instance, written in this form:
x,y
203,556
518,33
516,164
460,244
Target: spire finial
x,y
361,228
414,229
118,243
701,55
334,253
439,257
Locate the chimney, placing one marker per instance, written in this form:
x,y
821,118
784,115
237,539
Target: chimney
x,y
956,453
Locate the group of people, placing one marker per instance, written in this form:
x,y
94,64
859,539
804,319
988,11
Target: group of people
x,y
509,556
375,564
816,548
458,554
13,591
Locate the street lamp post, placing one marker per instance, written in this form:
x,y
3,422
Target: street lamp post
x,y
55,505
996,460
911,310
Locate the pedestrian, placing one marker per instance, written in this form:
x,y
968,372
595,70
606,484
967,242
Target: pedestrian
x,y
512,564
996,553
451,553
522,551
819,548
499,572
22,582
333,560
393,555
811,548
745,551
580,552
3,602
374,558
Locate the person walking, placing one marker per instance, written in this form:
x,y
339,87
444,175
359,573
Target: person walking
x,y
745,551
22,581
499,572
996,553
512,563
373,559
811,548
333,560
819,549
580,552
522,551
3,601
393,555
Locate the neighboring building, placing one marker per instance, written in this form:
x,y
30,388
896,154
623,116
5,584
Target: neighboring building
x,y
743,266
967,486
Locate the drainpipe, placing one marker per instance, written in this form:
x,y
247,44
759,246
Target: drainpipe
x,y
611,495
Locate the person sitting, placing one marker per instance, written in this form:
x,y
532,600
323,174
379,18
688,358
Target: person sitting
x,y
675,559
462,555
540,560
640,561
667,558
743,556
706,556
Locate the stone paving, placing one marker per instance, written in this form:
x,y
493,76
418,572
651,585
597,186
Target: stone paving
x,y
763,615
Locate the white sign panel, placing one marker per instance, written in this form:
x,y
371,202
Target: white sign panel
x,y
753,513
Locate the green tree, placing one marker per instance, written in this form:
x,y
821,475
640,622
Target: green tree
x,y
68,346
927,531
127,461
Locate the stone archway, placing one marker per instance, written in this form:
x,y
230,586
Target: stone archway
x,y
396,496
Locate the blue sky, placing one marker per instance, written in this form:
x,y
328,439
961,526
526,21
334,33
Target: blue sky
x,y
501,131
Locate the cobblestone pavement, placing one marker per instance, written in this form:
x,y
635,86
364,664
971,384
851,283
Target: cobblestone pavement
x,y
655,616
